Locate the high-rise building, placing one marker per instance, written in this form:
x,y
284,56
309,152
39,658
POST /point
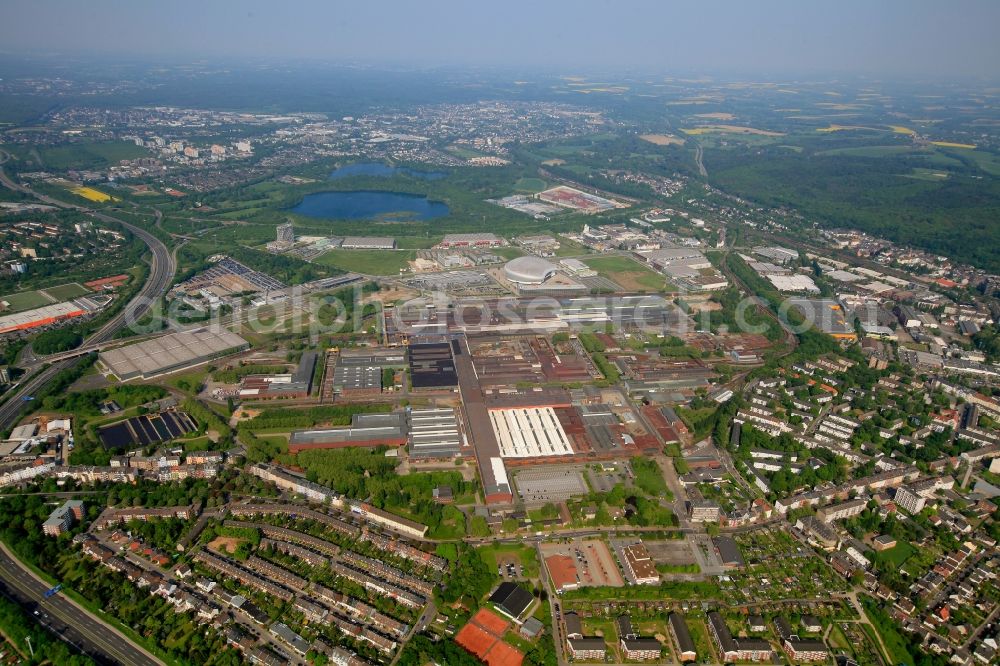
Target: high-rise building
x,y
286,233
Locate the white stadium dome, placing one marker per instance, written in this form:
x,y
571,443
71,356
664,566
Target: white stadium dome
x,y
529,270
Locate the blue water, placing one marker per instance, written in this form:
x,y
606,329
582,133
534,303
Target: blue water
x,y
370,204
379,170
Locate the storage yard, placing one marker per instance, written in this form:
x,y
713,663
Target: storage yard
x,y
569,197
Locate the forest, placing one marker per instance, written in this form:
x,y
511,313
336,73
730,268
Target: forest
x,y
948,216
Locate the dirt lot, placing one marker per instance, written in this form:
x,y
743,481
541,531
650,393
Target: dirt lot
x,y
661,139
242,414
675,552
394,295
224,544
705,306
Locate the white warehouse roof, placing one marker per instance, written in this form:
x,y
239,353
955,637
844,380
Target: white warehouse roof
x,y
170,352
531,432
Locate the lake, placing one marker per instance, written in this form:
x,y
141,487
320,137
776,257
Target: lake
x,y
380,170
370,205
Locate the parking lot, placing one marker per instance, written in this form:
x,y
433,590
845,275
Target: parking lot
x,y
593,560
509,566
609,475
550,484
706,555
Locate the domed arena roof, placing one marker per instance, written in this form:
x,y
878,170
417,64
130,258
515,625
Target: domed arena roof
x,y
529,270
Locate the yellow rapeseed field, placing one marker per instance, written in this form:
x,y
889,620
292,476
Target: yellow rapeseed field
x,y
842,128
91,194
899,129
950,144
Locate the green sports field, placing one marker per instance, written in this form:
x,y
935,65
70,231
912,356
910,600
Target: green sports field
x,y
64,292
370,262
630,274
25,300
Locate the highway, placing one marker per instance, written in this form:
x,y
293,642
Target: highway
x,y
70,622
699,155
161,273
66,619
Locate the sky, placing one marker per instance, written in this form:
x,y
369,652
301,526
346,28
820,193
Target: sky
x,y
912,38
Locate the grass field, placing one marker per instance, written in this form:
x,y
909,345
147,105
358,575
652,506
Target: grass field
x,y
568,248
371,262
988,162
630,274
729,129
25,300
417,242
894,643
699,634
868,151
508,253
526,555
899,553
90,155
530,185
65,292
927,174
463,152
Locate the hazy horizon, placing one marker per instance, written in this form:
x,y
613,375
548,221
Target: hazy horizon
x,y
894,38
